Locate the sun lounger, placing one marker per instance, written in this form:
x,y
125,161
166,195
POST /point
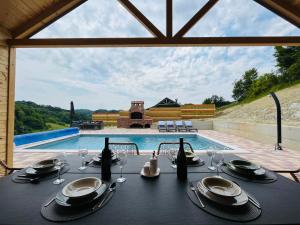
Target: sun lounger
x,y
161,126
171,126
189,126
180,126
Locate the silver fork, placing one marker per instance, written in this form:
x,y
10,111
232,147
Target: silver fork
x,y
195,191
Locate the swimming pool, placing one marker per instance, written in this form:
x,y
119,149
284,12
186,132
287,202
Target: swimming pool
x,y
144,141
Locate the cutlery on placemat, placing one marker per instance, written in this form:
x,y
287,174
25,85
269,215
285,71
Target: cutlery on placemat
x,y
50,201
112,187
254,202
23,175
192,187
31,180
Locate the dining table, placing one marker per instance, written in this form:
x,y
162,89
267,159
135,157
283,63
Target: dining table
x,y
139,200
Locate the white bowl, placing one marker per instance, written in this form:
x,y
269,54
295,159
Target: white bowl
x,y
221,187
82,187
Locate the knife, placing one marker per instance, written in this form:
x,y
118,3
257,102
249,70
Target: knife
x,y
111,188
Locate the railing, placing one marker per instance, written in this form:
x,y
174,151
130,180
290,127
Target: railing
x,y
129,146
167,146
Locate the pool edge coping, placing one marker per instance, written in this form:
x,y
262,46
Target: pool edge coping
x,y
23,148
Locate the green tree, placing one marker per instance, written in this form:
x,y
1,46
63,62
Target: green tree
x,y
217,100
288,63
31,117
263,84
242,87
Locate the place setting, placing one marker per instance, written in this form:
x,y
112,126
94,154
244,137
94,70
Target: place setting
x,y
78,199
248,171
42,170
96,160
224,198
192,159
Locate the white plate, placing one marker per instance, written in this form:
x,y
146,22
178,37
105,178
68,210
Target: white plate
x,y
236,201
150,176
62,200
45,164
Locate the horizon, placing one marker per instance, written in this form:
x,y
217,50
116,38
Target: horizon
x,y
100,77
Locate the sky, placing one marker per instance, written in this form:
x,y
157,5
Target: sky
x,y
110,78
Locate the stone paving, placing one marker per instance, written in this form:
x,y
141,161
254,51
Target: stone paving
x,y
256,152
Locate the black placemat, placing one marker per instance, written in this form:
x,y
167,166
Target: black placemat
x,y
43,177
56,213
269,177
245,213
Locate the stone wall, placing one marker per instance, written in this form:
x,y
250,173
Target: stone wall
x,y
265,133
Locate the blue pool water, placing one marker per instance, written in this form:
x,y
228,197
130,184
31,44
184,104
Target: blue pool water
x,y
144,142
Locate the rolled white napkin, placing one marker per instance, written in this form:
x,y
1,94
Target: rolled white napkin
x,y
147,168
153,165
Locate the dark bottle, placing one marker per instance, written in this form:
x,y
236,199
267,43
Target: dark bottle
x,y
181,162
106,161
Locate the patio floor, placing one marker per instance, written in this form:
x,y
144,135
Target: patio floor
x,y
259,153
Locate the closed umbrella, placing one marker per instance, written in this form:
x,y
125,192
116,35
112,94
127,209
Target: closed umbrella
x,y
72,113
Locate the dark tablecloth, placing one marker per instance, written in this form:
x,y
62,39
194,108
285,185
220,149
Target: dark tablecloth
x,y
142,201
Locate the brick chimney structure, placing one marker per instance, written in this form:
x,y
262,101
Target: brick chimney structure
x,y
136,117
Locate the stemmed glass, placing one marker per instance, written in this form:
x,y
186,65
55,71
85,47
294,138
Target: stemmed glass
x,y
59,164
122,156
83,153
173,156
218,160
211,153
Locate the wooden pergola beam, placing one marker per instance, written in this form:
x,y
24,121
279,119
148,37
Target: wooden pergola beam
x,y
169,18
154,42
45,18
141,18
195,18
282,9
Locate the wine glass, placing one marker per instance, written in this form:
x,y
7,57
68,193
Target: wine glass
x,y
59,165
122,156
210,152
83,153
218,159
173,156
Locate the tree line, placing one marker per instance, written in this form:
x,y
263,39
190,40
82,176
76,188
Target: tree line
x,y
31,117
253,85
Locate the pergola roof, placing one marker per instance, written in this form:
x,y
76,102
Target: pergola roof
x,y
24,18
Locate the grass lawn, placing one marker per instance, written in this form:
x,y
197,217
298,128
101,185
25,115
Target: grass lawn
x,y
55,126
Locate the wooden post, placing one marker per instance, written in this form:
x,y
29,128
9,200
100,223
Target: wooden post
x,y
7,62
11,106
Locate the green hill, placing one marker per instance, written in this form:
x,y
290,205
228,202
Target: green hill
x,y
31,117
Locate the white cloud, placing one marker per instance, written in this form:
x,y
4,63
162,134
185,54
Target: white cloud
x,y
112,77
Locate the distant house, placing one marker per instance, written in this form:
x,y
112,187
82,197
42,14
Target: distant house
x,y
167,102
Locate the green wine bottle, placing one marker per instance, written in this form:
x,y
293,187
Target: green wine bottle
x,y
181,162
